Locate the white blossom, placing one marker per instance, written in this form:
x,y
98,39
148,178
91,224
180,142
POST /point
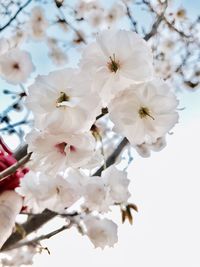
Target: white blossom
x,y
96,195
117,58
144,112
57,152
57,193
96,160
38,191
102,192
16,66
117,182
145,149
101,232
59,101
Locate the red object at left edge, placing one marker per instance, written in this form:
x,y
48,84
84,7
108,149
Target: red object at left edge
x,y
6,160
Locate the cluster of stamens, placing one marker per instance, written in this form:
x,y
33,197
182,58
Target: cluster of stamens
x,y
16,66
145,112
113,64
62,99
62,146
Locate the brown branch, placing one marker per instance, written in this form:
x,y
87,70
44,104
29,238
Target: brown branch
x,y
113,157
32,224
171,26
15,16
161,17
156,24
40,238
12,169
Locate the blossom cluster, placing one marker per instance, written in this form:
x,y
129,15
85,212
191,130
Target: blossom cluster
x,y
116,74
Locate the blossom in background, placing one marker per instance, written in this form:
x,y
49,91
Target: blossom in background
x,y
95,18
38,23
58,57
115,60
144,112
101,232
115,13
14,41
4,45
16,66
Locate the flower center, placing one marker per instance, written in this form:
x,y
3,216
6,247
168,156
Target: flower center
x,y
145,112
62,99
61,147
39,18
72,149
16,66
113,64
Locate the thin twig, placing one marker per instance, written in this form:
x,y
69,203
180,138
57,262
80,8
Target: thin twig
x,y
156,24
15,16
11,126
40,238
71,26
128,12
32,224
170,25
113,157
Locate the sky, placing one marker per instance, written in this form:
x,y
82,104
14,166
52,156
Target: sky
x,y
166,189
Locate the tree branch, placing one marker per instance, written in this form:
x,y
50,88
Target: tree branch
x,y
71,26
161,17
40,238
32,224
128,12
156,24
113,157
15,16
